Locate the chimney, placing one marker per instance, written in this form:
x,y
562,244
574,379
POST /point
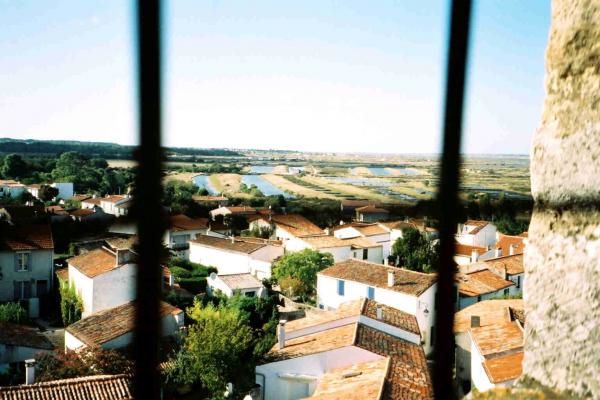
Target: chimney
x,y
498,252
391,278
511,250
474,256
281,335
30,371
475,321
171,279
379,312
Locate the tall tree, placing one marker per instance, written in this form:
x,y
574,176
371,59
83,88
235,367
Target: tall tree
x,y
415,251
299,270
14,167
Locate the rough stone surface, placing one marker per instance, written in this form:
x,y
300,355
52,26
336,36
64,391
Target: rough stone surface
x,y
562,262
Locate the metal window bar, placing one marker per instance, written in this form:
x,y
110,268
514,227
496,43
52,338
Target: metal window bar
x,y
151,221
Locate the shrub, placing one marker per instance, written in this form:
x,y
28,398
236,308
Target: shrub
x,y
12,312
194,284
71,304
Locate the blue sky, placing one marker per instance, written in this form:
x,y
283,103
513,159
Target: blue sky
x,y
355,76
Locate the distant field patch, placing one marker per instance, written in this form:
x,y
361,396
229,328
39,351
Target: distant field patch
x,y
285,184
229,183
121,163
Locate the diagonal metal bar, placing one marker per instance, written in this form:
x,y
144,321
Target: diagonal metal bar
x,y
443,382
147,206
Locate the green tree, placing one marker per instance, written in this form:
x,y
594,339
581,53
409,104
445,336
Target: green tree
x,y
14,167
415,251
214,349
303,266
71,304
47,193
510,226
12,312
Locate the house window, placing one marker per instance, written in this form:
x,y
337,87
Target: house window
x,y
41,288
340,287
371,292
518,281
23,261
478,298
22,290
365,254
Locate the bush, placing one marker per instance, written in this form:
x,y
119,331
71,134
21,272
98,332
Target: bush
x,y
71,304
179,272
12,312
194,285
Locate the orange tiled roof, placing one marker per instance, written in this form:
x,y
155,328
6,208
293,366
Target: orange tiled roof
x,y
409,282
295,224
26,237
240,245
93,200
466,250
313,343
113,198
481,282
490,312
361,243
182,222
25,336
504,368
80,197
498,338
98,387
324,241
94,263
512,264
505,241
82,212
106,325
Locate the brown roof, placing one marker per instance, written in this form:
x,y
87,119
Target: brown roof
x,y
182,222
498,338
490,312
25,336
504,368
26,237
99,387
409,282
324,241
240,245
361,243
370,209
95,262
109,324
93,200
371,230
466,250
477,224
364,381
239,209
313,343
505,241
295,224
512,264
80,197
114,198
56,210
481,282
354,308
62,274
240,281
82,212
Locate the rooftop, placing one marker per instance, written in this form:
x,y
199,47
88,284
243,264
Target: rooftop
x,y
504,368
324,241
94,262
106,325
480,282
361,243
505,241
405,281
25,336
26,237
512,264
490,312
114,198
237,209
240,245
467,250
182,222
475,225
295,224
240,281
99,387
498,338
81,212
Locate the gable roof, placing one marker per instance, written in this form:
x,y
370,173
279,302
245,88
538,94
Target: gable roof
x,y
361,243
237,209
24,336
504,368
476,225
295,224
98,387
181,222
365,228
490,312
114,198
324,241
239,245
82,212
512,264
106,325
505,241
94,262
92,200
480,282
368,273
467,250
498,338
26,237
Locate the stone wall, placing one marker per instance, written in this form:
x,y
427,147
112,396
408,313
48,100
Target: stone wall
x,y
562,263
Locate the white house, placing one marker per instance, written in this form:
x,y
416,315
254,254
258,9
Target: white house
x,y
286,227
371,213
496,355
476,282
26,262
11,188
377,233
238,255
91,202
484,313
228,285
476,233
104,278
347,353
113,328
19,343
181,230
408,291
117,205
232,210
341,249
467,254
510,268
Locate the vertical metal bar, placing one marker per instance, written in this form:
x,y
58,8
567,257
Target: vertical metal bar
x,y
147,206
443,382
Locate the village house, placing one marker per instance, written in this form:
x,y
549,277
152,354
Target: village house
x,y
232,210
104,277
476,282
228,285
341,249
239,255
408,291
117,205
378,233
181,230
19,343
467,254
397,228
371,213
286,227
496,354
26,263
11,188
362,350
476,233
482,314
508,245
510,268
113,328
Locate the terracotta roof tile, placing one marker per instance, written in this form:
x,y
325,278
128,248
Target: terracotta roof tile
x,y
109,324
99,387
82,212
324,242
80,197
26,237
392,316
182,222
504,368
240,281
498,338
295,224
114,198
93,200
240,245
490,312
361,243
505,241
476,225
480,282
313,343
371,230
512,264
466,250
21,335
94,263
409,282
